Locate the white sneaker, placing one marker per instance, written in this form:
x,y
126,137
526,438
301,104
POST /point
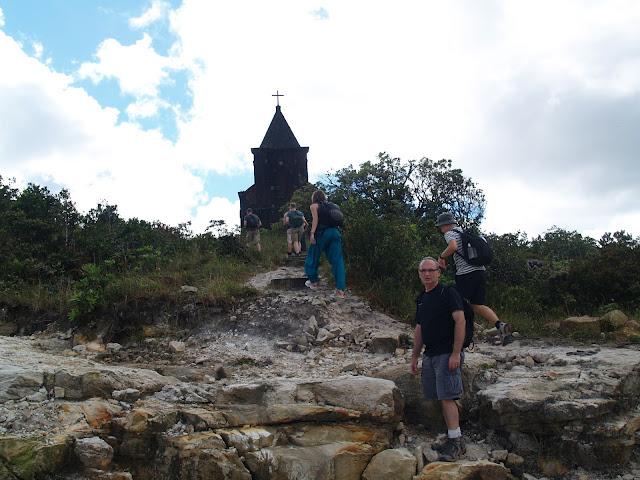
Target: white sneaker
x,y
310,285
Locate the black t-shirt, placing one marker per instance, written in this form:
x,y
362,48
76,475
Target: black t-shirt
x,y
433,313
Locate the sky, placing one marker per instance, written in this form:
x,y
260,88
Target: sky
x,y
154,105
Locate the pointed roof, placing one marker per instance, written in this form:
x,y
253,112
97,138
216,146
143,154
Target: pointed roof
x,y
279,134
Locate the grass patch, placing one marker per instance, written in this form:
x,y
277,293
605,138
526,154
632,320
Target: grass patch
x,y
220,278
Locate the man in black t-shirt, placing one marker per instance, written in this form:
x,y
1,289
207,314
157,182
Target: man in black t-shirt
x,y
440,328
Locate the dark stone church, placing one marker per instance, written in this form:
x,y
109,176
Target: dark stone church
x,y
279,169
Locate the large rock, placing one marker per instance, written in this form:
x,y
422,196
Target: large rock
x,y
17,382
199,456
32,458
287,401
584,326
334,461
583,404
384,343
398,463
94,452
613,320
465,470
251,439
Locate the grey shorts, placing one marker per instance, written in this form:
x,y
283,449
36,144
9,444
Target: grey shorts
x,y
438,383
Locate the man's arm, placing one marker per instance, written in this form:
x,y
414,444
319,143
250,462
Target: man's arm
x,y
458,338
452,246
417,348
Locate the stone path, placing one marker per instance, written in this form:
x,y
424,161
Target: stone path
x,y
298,384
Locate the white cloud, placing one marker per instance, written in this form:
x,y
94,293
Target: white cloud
x,y
145,108
138,69
218,208
81,146
38,48
157,11
536,100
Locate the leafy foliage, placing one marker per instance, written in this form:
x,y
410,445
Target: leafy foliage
x,y
80,264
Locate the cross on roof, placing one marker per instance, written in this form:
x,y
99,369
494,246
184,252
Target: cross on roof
x,y
277,95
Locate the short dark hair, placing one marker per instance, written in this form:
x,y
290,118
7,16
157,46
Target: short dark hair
x,y
318,196
292,205
249,210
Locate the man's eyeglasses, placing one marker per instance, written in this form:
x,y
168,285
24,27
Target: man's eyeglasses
x,y
428,270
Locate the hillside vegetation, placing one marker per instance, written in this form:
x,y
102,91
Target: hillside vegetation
x,y
79,265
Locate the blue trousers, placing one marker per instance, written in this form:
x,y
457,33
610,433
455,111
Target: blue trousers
x,y
328,241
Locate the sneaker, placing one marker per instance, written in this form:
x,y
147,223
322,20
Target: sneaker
x,y
506,334
505,329
310,284
507,339
341,294
452,450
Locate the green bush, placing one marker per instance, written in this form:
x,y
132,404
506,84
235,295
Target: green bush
x,y
89,293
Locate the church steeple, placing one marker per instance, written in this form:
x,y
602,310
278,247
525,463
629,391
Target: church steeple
x,y
279,134
279,169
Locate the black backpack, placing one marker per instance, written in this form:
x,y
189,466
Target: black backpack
x,y
476,250
296,219
469,317
252,220
330,215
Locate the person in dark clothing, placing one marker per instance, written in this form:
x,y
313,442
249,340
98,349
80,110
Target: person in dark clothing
x,y
471,280
440,328
252,225
327,239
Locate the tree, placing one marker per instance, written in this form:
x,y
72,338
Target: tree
x,y
437,187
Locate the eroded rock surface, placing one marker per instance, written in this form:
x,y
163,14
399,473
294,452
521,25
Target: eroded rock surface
x,y
297,384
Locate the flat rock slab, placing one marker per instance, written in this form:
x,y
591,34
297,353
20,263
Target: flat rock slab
x,y
575,385
24,370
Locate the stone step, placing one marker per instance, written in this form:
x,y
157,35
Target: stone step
x,y
288,283
295,261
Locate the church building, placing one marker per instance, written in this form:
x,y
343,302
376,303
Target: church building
x,y
279,169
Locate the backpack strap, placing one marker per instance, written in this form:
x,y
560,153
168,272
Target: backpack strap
x,y
461,247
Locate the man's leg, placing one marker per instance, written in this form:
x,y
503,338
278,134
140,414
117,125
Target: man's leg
x,y
473,287
289,242
486,313
295,237
449,386
451,414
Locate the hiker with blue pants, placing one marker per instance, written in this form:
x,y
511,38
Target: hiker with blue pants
x,y
325,237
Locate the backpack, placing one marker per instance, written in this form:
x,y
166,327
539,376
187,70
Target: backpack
x,y
295,219
330,215
252,220
469,317
475,248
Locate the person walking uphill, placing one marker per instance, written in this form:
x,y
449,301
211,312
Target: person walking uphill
x,y
440,327
325,237
252,224
471,279
296,223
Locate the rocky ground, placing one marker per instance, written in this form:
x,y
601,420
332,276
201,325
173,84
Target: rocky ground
x,y
299,384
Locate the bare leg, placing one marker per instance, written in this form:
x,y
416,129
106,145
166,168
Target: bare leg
x,y
450,414
486,313
296,247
